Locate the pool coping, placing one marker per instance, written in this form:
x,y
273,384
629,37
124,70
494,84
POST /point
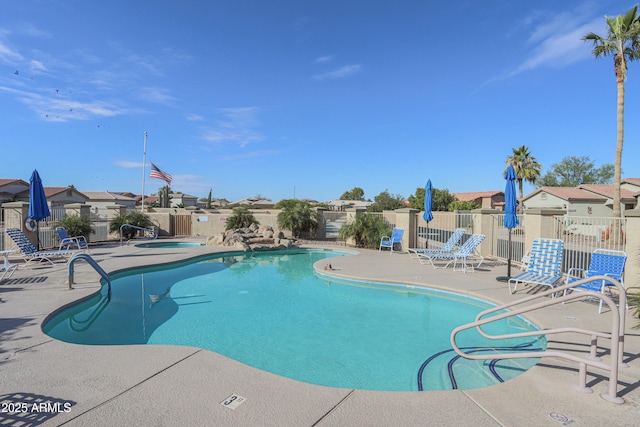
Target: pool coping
x,y
166,385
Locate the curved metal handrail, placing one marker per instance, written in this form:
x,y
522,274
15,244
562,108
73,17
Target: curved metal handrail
x,y
92,262
616,335
155,233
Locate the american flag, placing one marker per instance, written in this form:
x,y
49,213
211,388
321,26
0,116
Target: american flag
x,y
157,173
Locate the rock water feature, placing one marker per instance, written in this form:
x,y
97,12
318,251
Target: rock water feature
x,y
253,238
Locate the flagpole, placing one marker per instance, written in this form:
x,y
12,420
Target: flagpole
x,y
144,162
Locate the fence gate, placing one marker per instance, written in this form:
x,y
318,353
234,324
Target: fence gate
x,y
180,225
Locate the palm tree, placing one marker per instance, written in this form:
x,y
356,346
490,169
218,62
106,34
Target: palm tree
x,y
526,166
622,43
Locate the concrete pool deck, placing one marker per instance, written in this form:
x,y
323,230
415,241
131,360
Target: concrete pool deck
x,y
169,385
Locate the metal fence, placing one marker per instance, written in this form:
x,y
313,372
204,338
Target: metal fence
x,y
500,239
436,233
583,235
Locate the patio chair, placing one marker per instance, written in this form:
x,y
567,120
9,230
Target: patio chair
x,y
30,253
389,241
67,242
545,263
604,262
449,245
465,256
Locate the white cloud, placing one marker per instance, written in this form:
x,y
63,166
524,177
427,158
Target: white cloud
x,y
236,126
156,95
555,39
9,55
128,164
249,155
323,59
340,73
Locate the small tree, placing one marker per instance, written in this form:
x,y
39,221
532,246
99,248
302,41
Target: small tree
x,y
241,218
356,193
77,225
136,218
297,216
366,230
573,171
386,202
463,205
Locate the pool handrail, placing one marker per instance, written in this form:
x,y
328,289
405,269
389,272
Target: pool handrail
x,y
616,335
155,233
92,262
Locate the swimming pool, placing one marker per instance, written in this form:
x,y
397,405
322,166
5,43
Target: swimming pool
x,y
269,310
168,245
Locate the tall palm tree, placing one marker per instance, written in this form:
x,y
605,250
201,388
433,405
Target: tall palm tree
x,y
622,43
526,166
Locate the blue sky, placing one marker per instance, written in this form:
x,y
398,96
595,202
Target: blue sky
x,y
305,98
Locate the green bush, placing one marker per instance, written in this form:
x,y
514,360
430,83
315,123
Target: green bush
x,y
297,216
77,225
366,230
241,218
136,218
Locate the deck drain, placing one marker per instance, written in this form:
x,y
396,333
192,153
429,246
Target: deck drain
x,y
561,418
233,401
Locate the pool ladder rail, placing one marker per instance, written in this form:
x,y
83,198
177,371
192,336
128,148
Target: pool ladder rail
x,y
616,335
93,263
147,231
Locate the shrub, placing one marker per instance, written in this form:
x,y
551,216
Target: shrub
x,y
77,225
367,230
136,218
241,218
297,216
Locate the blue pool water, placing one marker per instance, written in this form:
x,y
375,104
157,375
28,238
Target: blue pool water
x,y
168,245
269,310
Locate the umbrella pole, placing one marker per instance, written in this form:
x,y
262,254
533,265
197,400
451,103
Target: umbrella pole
x,y
426,242
509,256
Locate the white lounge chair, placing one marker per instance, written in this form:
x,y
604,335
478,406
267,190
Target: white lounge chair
x,y
545,263
463,258
30,253
449,245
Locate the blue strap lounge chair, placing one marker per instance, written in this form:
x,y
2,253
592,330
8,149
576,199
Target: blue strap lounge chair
x,y
449,245
389,241
463,258
29,252
66,242
604,262
545,263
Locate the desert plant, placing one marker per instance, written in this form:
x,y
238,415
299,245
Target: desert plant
x,y
366,230
297,216
136,218
241,218
77,225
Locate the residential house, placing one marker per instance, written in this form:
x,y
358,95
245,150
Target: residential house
x,y
182,200
255,203
9,188
485,199
340,205
99,200
584,200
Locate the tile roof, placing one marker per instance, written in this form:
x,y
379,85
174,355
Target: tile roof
x,y
606,190
107,195
633,181
7,181
567,193
473,195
